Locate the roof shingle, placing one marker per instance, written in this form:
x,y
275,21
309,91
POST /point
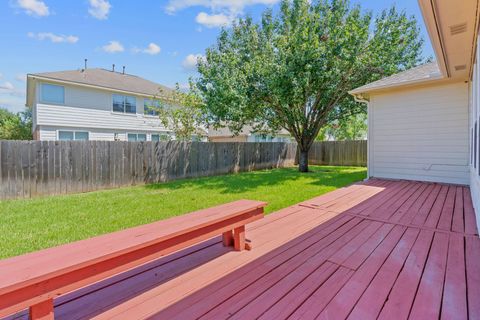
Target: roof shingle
x,y
423,73
109,80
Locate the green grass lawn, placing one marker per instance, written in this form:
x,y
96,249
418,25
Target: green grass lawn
x,y
29,225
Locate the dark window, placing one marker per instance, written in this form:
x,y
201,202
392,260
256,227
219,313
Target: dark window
x,y
126,104
475,146
151,107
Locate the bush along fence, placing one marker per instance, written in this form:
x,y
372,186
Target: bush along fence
x,y
35,168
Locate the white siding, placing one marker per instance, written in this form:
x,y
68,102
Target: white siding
x,y
420,134
87,108
50,133
475,117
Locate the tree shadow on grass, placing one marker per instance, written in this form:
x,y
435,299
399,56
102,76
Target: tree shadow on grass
x,y
250,181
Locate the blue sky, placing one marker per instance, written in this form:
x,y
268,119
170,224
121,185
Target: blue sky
x,y
154,39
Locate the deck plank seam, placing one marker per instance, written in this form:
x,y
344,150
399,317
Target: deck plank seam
x,y
412,226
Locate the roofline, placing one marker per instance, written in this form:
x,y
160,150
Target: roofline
x,y
396,85
427,7
35,76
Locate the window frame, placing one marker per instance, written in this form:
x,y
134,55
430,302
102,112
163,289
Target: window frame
x,y
145,105
136,136
74,132
124,103
42,98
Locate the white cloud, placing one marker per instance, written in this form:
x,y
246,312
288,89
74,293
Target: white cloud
x,y
232,6
99,9
213,20
152,49
113,47
34,7
7,86
190,62
55,38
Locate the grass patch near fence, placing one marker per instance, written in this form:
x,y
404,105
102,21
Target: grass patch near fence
x,y
33,224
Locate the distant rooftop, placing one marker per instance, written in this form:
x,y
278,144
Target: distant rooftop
x,y
110,80
423,73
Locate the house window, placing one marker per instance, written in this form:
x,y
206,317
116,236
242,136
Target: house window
x,y
151,106
51,93
137,137
125,104
475,146
73,135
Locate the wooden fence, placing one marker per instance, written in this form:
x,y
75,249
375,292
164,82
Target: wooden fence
x,y
339,153
34,168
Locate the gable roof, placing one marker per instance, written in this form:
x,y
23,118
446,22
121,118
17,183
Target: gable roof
x,y
423,73
107,79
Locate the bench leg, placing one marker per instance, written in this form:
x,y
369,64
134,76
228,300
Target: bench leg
x,y
239,238
42,310
228,238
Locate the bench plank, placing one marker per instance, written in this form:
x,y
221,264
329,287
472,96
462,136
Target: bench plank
x,y
46,274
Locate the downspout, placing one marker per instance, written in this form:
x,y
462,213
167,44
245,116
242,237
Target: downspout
x,y
360,99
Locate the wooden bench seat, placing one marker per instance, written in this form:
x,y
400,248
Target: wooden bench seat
x,y
33,280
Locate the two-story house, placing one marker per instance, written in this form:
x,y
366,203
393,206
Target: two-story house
x,y
96,104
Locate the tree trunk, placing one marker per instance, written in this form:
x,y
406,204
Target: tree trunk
x,y
303,161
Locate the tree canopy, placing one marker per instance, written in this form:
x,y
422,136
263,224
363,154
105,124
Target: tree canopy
x,y
15,126
293,69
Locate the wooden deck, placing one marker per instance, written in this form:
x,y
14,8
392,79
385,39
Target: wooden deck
x,y
382,249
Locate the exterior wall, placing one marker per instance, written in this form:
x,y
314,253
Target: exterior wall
x,y
91,109
474,117
49,133
420,134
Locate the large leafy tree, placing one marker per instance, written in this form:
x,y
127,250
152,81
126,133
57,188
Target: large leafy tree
x,y
15,126
293,70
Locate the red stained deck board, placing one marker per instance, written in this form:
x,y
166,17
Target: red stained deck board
x,y
149,302
413,204
403,292
415,254
454,304
469,212
223,300
458,217
379,199
361,254
436,210
421,205
277,283
268,237
321,297
472,251
429,295
390,207
294,298
445,221
372,300
347,297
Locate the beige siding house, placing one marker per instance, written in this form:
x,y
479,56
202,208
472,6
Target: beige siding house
x,y
424,122
246,135
95,104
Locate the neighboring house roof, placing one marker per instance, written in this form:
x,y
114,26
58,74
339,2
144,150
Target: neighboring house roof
x,y
247,130
423,73
109,80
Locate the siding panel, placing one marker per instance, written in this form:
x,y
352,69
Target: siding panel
x,y
421,134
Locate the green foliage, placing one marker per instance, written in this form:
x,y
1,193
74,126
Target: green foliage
x,y
15,126
351,128
79,216
293,70
182,114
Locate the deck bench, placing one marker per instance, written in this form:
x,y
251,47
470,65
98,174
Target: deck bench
x,y
33,280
